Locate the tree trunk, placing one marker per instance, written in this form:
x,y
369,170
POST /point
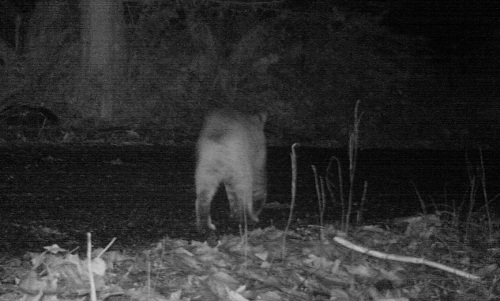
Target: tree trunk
x,y
102,60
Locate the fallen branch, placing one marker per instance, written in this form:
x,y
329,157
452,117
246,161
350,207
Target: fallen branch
x,y
423,261
93,294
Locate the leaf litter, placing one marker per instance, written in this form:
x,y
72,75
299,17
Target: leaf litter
x,y
314,264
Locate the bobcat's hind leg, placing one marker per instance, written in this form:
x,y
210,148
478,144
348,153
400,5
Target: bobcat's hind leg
x,y
240,199
235,203
259,200
206,186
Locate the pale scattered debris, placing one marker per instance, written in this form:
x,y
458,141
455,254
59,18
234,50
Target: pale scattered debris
x,y
415,260
177,270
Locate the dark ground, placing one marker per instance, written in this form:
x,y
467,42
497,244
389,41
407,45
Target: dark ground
x,y
140,194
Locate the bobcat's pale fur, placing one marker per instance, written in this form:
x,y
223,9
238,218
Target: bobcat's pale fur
x,y
231,150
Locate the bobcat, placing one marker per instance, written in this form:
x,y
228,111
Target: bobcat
x,y
231,150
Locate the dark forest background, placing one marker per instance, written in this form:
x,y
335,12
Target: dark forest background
x,y
426,72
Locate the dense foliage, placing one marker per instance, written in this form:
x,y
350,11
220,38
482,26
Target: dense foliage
x,y
306,65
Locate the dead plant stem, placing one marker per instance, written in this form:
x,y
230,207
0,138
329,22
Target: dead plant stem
x,y
485,195
320,193
293,157
341,194
93,293
353,156
420,199
359,216
472,199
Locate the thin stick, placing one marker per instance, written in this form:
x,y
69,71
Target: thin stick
x,y
293,157
422,203
149,279
472,200
107,247
320,194
341,192
93,294
245,239
359,216
485,194
423,261
323,201
353,157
